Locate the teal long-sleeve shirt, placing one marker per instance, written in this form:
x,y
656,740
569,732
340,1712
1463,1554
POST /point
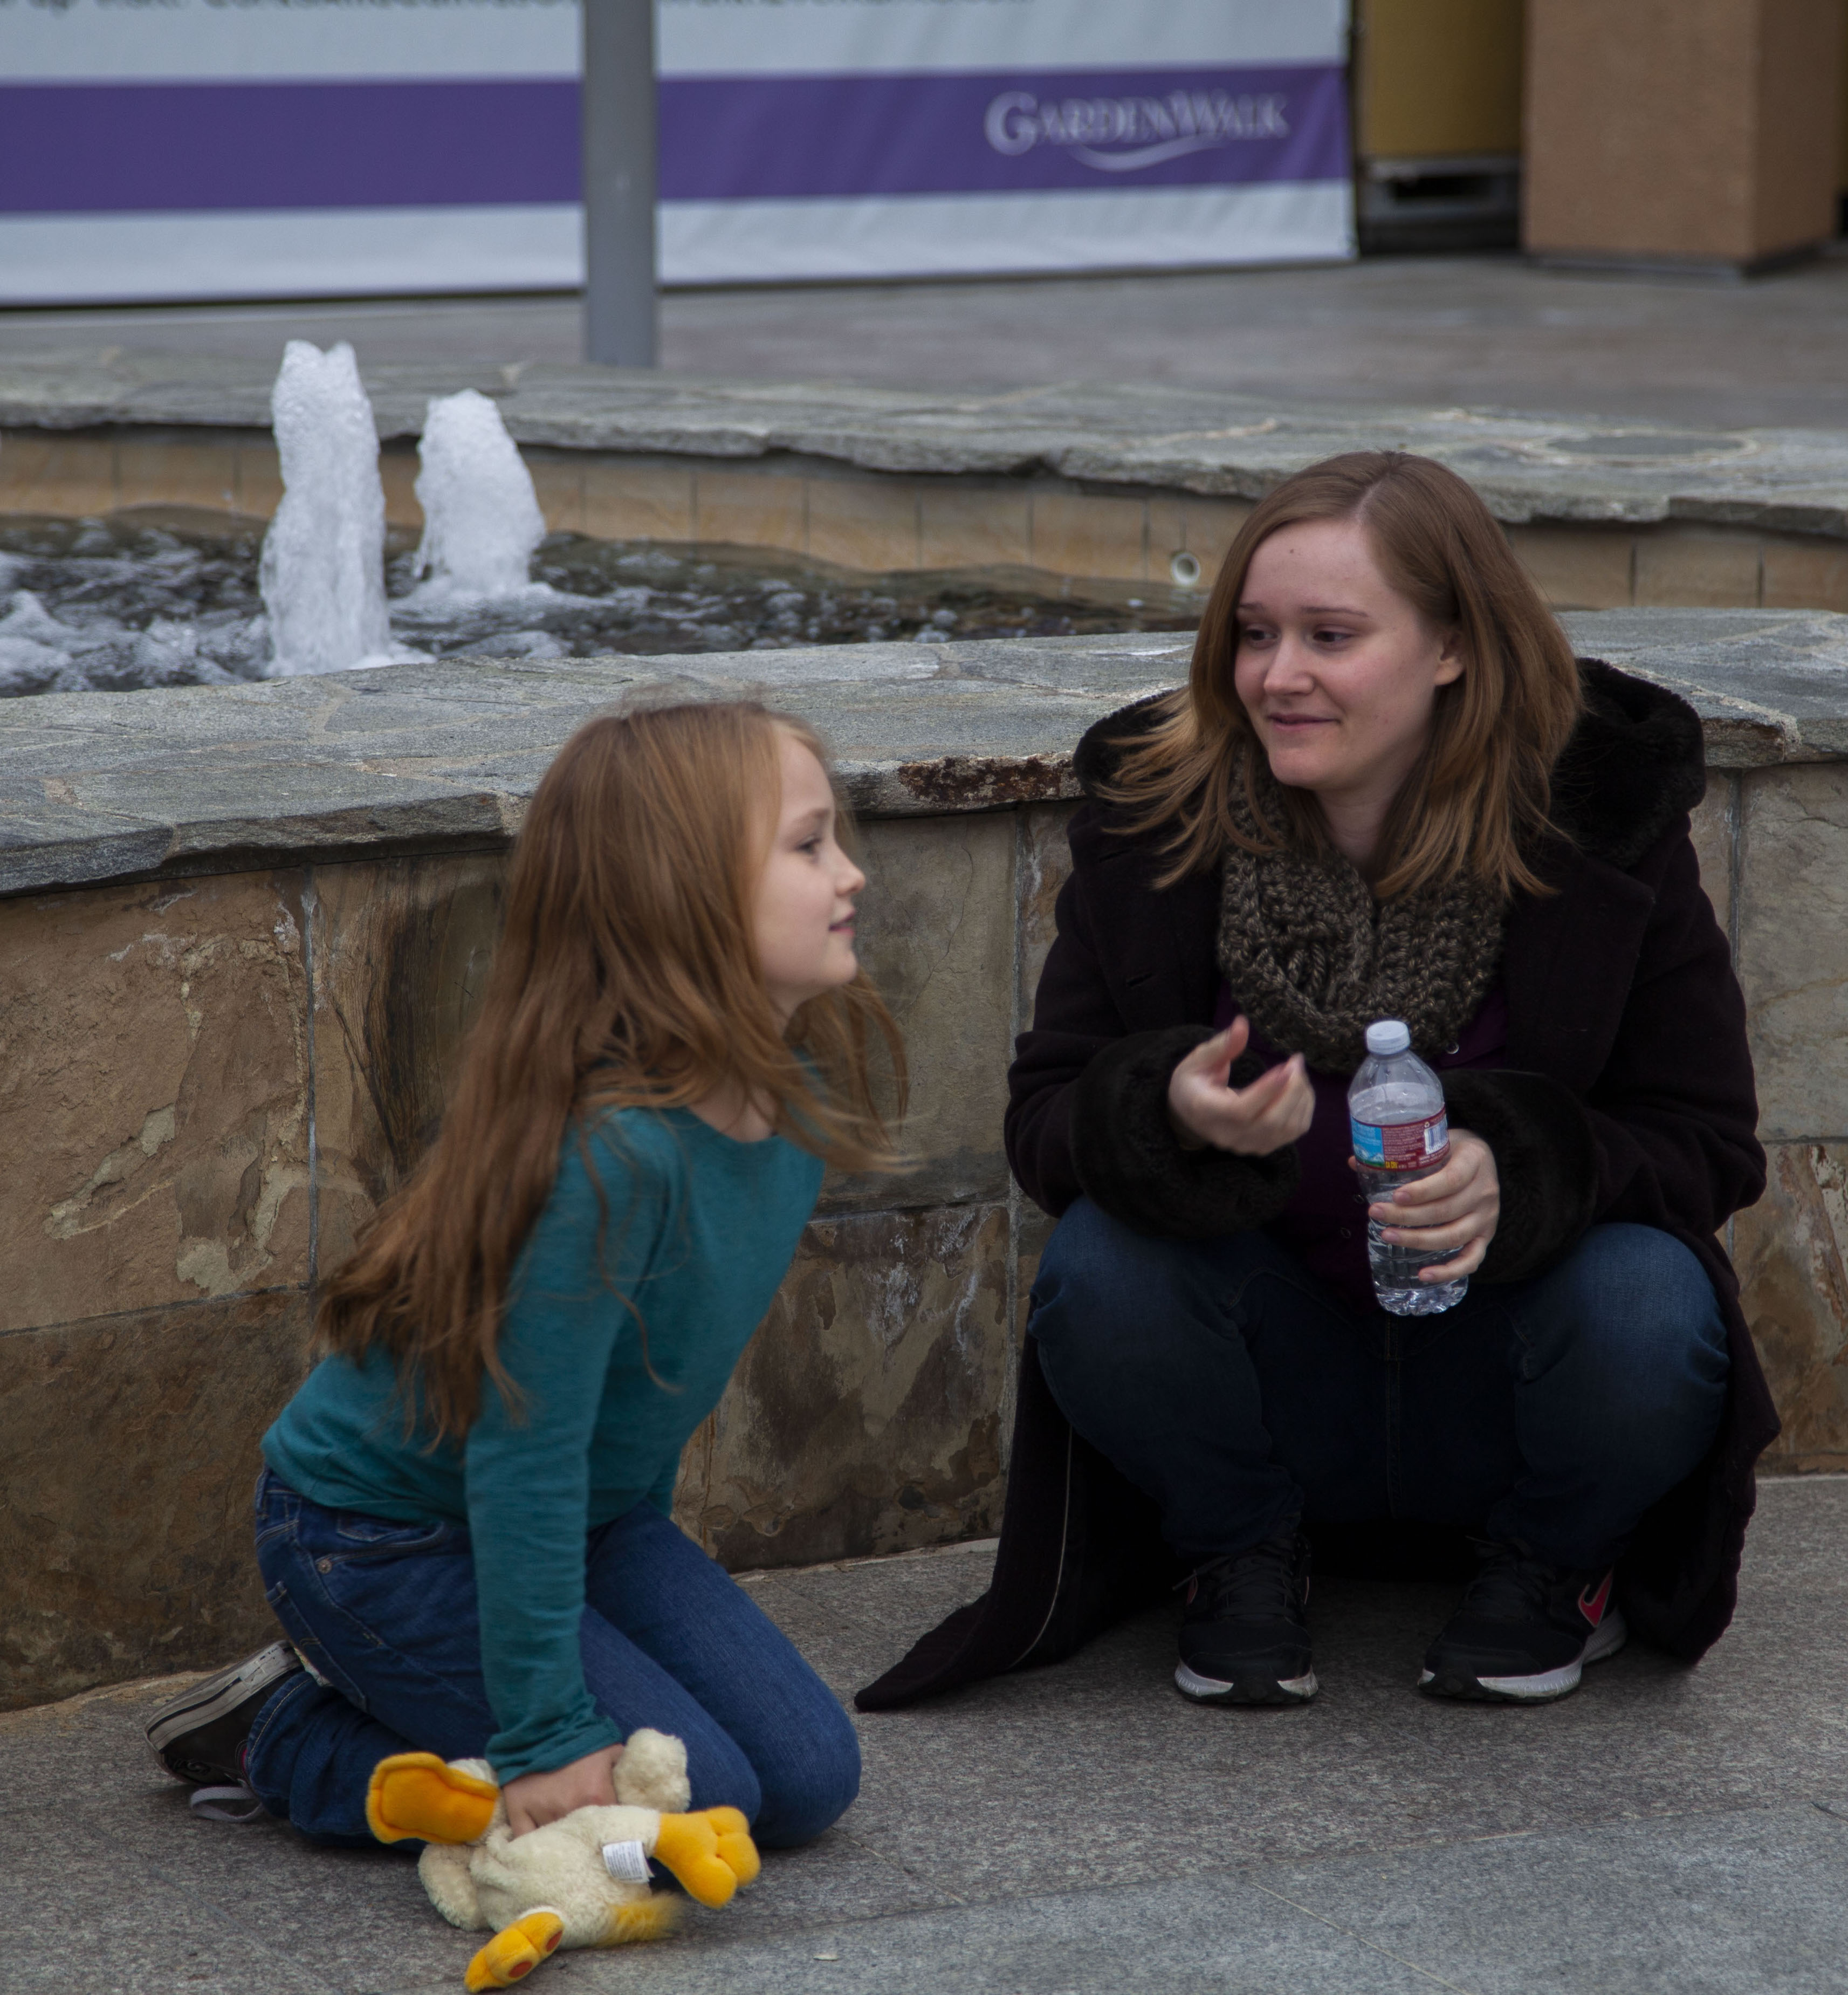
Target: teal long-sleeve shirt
x,y
696,1230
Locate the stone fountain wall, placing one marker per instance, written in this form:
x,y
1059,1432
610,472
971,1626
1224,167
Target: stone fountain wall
x,y
1081,483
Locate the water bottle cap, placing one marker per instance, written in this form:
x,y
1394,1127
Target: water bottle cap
x,y
1388,1035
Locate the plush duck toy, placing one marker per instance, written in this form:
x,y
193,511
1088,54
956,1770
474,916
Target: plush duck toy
x,y
580,1881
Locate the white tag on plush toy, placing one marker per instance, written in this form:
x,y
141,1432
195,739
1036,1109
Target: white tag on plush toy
x,y
627,1861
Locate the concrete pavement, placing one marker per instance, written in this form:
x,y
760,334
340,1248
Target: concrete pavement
x,y
1486,331
1082,1828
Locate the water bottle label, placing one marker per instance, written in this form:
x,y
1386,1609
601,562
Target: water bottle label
x,y
1402,1146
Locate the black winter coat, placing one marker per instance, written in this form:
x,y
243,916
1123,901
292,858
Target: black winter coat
x,y
1628,1095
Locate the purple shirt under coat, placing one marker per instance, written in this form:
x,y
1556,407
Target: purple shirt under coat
x,y
1324,1223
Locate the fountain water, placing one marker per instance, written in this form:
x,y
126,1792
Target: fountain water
x,y
116,604
323,575
482,518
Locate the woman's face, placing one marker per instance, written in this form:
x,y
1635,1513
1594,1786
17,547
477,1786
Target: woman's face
x,y
1338,671
802,917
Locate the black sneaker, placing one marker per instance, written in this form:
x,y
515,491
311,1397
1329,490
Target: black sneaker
x,y
1524,1632
199,1736
1245,1636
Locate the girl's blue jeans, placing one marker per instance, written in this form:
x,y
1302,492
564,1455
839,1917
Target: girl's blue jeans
x,y
387,1613
1231,1386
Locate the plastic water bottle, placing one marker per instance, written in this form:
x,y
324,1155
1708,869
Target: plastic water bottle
x,y
1400,1131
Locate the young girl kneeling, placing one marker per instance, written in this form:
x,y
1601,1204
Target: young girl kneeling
x,y
464,1524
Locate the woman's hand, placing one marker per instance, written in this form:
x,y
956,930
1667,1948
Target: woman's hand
x,y
1276,1109
1459,1206
534,1799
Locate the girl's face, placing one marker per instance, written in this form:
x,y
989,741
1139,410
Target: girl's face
x,y
1338,671
803,920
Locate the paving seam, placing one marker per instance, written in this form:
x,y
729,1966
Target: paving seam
x,y
910,1875
1348,1932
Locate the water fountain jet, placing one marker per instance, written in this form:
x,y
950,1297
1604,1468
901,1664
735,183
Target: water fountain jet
x,y
323,576
481,517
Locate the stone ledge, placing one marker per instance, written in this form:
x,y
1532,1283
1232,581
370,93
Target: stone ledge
x,y
111,786
1769,685
1145,435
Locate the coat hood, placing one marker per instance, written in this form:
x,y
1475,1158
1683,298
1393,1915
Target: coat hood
x,y
1635,763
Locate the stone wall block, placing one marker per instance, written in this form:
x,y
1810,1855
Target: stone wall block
x,y
131,1446
398,467
156,471
1211,526
1576,568
1714,825
1165,515
1793,945
1698,567
68,477
862,523
750,509
864,1416
153,1096
965,526
625,499
1043,864
1791,1251
259,475
1077,533
1804,574
937,937
402,950
558,485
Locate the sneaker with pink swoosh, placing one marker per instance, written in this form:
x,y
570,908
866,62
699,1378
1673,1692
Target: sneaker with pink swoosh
x,y
1524,1630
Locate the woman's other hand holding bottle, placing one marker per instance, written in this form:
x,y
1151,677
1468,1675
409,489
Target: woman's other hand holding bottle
x,y
1458,1206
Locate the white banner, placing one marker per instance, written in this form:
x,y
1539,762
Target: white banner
x,y
268,148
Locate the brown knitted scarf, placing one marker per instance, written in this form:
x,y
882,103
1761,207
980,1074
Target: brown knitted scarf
x,y
1312,959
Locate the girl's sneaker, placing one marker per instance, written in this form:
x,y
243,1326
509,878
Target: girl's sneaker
x,y
199,1736
1524,1632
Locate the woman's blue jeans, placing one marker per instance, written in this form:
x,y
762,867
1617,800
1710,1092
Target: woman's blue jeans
x,y
387,1613
1232,1387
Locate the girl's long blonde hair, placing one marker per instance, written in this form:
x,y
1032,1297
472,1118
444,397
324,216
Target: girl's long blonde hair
x,y
626,976
1480,793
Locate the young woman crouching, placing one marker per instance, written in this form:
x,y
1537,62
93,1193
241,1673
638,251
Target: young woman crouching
x,y
1385,791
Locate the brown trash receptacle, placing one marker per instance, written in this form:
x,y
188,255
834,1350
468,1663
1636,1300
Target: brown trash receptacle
x,y
1683,133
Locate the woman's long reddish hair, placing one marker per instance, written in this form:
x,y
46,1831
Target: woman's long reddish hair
x,y
626,976
1481,792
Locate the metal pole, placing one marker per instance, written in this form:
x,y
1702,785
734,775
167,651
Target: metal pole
x,y
619,114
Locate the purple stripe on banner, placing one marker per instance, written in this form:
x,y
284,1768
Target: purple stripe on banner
x,y
796,137
69,149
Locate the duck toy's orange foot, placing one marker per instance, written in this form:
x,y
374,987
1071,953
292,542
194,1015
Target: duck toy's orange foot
x,y
416,1796
513,1953
711,1854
